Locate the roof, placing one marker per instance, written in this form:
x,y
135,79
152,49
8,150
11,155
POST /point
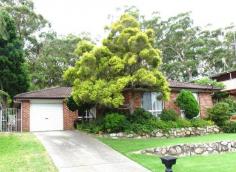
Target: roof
x,y
64,92
48,93
187,85
223,73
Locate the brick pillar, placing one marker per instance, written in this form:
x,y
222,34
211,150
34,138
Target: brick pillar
x,y
25,110
170,104
205,102
69,117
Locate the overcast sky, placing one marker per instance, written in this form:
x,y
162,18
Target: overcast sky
x,y
76,16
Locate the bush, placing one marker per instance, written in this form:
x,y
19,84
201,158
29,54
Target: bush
x,y
140,116
91,127
187,102
114,122
197,122
183,123
232,104
229,127
219,113
169,115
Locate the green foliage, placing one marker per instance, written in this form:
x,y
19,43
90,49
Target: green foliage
x,y
29,24
71,104
54,57
140,116
219,113
182,123
187,47
91,127
5,99
210,82
229,127
169,115
13,72
187,102
231,101
114,122
197,122
82,107
125,59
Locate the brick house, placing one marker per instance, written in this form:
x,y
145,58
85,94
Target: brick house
x,y
46,110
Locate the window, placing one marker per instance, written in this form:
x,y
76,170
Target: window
x,y
151,103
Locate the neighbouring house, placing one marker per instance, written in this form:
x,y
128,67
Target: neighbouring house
x,y
229,80
46,110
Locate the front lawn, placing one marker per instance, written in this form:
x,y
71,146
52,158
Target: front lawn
x,y
23,152
225,162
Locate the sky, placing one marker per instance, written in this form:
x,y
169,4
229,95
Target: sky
x,y
76,16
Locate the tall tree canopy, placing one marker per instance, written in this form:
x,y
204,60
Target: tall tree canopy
x,y
190,51
13,72
126,59
28,23
55,56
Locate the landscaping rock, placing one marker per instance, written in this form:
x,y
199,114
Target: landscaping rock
x,y
193,149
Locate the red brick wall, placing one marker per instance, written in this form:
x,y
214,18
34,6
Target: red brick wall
x,y
170,104
25,110
69,117
205,101
133,99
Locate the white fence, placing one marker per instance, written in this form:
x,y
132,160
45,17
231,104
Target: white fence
x,y
10,120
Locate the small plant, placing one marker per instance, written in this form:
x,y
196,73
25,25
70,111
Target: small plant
x,y
232,104
219,113
169,115
114,122
183,123
229,127
140,116
197,122
187,102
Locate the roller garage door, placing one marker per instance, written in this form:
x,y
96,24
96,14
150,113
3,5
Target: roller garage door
x,y
46,115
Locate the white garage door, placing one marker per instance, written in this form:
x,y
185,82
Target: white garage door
x,y
46,115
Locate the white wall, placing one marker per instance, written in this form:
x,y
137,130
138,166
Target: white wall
x,y
230,84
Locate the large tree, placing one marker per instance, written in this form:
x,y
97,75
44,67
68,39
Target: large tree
x,y
126,59
13,72
190,51
55,56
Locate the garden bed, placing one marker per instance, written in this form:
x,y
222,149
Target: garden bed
x,y
172,133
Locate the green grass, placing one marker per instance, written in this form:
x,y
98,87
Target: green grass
x,y
23,153
225,162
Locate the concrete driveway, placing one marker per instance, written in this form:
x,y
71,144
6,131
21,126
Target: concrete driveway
x,y
74,151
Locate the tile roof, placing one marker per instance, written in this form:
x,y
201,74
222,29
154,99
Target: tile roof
x,y
48,93
187,85
63,92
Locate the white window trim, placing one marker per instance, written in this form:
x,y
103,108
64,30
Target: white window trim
x,y
155,113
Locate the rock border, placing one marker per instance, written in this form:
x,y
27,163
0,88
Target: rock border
x,y
181,150
172,133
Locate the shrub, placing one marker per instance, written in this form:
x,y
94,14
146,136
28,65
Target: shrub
x,y
197,122
91,127
114,122
219,113
183,123
169,115
187,102
140,116
232,104
229,127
